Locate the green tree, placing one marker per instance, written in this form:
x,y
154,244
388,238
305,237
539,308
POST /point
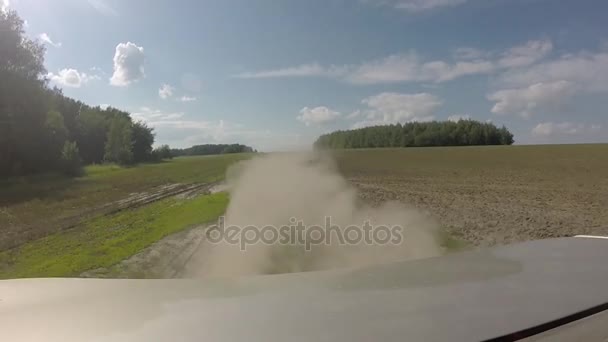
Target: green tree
x,y
23,108
505,137
461,133
57,133
143,139
92,133
162,152
119,144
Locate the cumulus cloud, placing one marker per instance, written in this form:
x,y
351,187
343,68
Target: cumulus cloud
x,y
524,101
4,5
128,64
415,6
317,116
411,67
71,78
551,129
391,108
46,39
165,91
457,117
102,7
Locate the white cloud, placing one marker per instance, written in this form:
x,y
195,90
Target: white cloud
x,y
45,38
415,6
102,7
128,64
4,6
304,70
156,116
317,116
165,91
457,117
550,83
524,101
187,98
391,108
526,54
410,67
71,78
551,129
588,70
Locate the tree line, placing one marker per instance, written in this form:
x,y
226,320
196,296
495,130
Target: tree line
x,y
208,149
418,134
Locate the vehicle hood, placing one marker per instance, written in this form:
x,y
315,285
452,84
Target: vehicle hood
x,y
467,296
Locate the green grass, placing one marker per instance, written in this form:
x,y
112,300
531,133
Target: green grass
x,y
107,240
36,206
450,243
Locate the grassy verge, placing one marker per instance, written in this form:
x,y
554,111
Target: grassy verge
x,y
37,206
105,241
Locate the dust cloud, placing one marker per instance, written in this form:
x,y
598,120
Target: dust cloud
x,y
272,189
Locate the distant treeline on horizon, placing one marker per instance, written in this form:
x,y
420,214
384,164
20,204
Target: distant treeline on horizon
x,y
418,134
209,149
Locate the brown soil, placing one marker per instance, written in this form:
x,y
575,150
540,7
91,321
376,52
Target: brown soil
x,y
496,211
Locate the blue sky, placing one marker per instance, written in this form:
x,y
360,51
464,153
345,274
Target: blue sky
x,y
276,74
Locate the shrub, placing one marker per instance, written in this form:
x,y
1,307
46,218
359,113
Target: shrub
x,y
162,152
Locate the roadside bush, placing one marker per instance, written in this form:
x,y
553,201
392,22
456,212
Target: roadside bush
x,y
162,152
71,164
165,152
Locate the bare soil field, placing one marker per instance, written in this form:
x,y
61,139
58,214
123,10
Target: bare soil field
x,y
491,195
